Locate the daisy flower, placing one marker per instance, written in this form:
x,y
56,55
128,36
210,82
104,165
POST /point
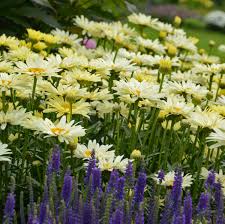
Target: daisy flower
x,y
142,19
205,119
168,179
4,153
13,81
137,90
13,117
61,107
218,137
66,132
38,67
100,151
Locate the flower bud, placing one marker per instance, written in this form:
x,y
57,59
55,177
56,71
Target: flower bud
x,y
162,34
136,154
172,50
177,21
89,43
201,51
165,65
212,43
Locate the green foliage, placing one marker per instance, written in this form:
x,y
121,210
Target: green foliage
x,y
15,16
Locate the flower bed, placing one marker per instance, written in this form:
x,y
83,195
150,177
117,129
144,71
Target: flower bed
x,y
113,95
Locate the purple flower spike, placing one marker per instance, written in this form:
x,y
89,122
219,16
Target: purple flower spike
x,y
67,188
43,212
139,219
117,217
113,181
210,180
219,203
87,213
89,43
177,191
188,209
120,188
9,207
56,159
139,189
179,219
91,165
129,175
96,179
203,204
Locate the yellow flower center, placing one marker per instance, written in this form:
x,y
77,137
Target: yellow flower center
x,y
137,92
6,82
36,70
87,153
57,131
107,166
177,109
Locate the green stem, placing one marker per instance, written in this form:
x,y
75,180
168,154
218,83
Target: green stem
x,y
218,87
210,81
4,108
162,145
12,92
217,159
114,59
161,82
33,93
71,111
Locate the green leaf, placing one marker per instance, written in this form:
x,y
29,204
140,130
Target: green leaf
x,y
44,3
33,12
7,4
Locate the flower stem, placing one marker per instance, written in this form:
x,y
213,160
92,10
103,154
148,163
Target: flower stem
x,y
161,82
33,93
71,111
218,87
4,108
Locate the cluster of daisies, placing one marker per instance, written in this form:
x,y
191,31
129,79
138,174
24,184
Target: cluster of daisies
x,y
58,85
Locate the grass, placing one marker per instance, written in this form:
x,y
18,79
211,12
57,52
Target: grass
x,y
205,35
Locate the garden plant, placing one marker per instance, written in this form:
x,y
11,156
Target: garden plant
x,y
110,125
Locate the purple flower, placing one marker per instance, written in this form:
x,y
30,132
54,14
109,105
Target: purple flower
x,y
87,213
117,217
32,220
56,159
91,165
219,203
120,188
139,189
167,211
129,175
161,175
177,191
179,219
9,207
210,180
152,208
188,209
96,180
113,181
43,212
203,204
139,218
67,188
89,43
